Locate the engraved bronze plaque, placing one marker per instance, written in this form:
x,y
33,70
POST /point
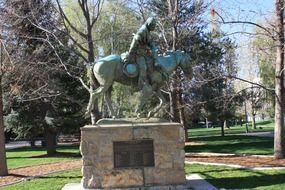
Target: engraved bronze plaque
x,y
135,153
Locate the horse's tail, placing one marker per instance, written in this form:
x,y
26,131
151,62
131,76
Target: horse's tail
x,y
93,81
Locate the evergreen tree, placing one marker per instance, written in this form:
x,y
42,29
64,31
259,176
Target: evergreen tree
x,y
40,86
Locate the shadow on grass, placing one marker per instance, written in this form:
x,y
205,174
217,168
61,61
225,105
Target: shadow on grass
x,y
248,182
18,175
232,144
58,155
263,123
48,176
26,149
230,138
60,177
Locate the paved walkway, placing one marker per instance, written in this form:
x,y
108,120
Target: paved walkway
x,y
20,144
16,144
260,134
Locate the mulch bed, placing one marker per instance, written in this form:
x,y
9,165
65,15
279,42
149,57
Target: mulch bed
x,y
16,175
247,161
19,174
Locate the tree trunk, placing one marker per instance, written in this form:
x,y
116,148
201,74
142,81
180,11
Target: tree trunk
x,y
182,115
173,13
174,111
95,115
174,101
207,123
32,143
3,162
222,129
253,109
174,92
226,124
253,121
50,136
279,83
246,121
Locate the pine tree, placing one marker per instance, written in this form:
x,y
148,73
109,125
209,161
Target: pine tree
x,y
40,82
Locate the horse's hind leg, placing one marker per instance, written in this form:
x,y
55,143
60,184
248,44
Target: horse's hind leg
x,y
157,108
109,102
146,95
93,96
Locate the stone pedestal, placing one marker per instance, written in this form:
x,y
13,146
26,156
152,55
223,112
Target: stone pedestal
x,y
97,149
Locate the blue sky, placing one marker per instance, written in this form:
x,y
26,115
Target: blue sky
x,y
243,10
258,11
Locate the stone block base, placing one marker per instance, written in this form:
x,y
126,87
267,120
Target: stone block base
x,y
97,149
193,181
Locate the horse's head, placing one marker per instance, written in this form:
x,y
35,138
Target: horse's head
x,y
184,61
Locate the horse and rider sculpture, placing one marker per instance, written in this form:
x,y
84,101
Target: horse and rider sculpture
x,y
140,67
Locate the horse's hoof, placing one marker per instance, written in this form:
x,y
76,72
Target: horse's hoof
x,y
150,114
139,115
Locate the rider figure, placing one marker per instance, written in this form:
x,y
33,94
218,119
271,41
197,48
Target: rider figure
x,y
141,47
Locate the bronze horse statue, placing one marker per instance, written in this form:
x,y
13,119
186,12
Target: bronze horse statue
x,y
111,69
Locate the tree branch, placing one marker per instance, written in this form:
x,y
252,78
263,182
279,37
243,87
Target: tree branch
x,y
250,82
247,22
64,17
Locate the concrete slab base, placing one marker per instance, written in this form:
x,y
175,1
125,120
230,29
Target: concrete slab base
x,y
78,186
194,182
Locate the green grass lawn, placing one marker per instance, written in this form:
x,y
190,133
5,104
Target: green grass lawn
x,y
220,177
49,182
209,140
28,156
236,144
236,129
230,178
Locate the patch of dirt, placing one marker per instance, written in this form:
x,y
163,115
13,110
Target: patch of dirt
x,y
193,143
20,174
247,161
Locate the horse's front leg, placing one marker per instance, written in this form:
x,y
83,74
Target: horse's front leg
x,y
157,108
109,102
146,95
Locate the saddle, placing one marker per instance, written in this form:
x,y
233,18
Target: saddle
x,y
132,69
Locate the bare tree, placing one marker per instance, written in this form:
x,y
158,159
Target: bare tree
x,y
175,93
3,163
90,11
276,32
177,25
